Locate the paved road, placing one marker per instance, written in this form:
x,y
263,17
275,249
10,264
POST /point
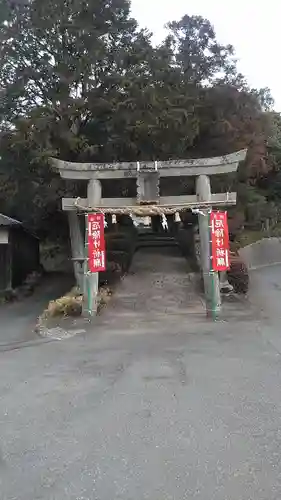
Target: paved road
x,y
18,319
184,410
266,295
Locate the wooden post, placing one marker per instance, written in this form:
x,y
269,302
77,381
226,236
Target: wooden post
x,y
91,280
211,279
77,247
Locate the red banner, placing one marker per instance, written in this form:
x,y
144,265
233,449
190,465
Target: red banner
x,y
96,243
220,241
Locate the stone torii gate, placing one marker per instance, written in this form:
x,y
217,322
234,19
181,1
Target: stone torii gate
x,y
149,202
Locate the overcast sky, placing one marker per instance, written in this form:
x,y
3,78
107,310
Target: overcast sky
x,y
253,27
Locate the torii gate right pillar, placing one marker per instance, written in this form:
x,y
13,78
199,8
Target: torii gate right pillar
x,y
211,278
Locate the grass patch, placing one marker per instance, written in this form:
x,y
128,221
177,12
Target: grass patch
x,y
65,306
246,238
71,304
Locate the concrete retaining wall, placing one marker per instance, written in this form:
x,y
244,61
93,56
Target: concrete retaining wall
x,y
266,252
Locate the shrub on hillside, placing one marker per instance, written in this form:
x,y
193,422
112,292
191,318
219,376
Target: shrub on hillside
x,y
127,238
185,241
120,248
111,274
238,275
185,238
123,259
120,244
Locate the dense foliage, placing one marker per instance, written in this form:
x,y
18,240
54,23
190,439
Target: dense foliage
x,y
81,81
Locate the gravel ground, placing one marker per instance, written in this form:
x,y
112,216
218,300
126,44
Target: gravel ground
x,y
159,283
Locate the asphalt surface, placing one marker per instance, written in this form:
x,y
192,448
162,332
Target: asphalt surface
x,y
18,319
175,409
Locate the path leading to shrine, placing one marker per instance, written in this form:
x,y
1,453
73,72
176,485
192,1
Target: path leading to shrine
x,y
159,287
161,290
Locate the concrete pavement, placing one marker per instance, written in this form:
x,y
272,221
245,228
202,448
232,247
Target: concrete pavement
x,y
18,319
186,409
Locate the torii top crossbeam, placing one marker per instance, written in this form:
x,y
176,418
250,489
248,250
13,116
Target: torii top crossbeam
x,y
172,168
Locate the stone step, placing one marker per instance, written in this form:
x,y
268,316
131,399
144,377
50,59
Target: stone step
x,y
151,239
155,243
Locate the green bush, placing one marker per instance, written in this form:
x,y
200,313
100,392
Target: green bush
x,y
128,237
238,275
120,248
121,242
185,238
121,258
185,241
111,275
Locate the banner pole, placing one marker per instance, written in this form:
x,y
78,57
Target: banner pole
x,y
87,288
95,259
215,295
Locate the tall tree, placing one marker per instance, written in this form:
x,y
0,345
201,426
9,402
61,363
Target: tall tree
x,y
57,58
80,80
198,54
